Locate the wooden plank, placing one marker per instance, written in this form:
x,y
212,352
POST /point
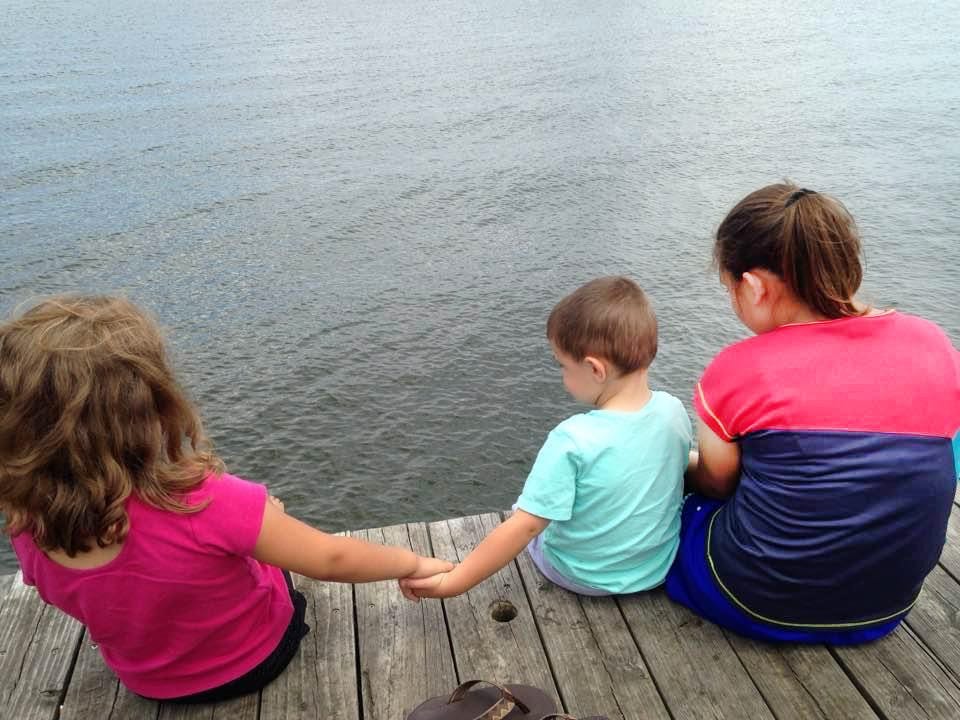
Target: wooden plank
x,y
6,582
37,646
241,708
936,618
95,692
695,668
405,654
595,660
950,557
321,681
801,681
19,600
900,678
485,649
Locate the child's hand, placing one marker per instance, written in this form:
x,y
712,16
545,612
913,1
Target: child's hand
x,y
427,566
425,587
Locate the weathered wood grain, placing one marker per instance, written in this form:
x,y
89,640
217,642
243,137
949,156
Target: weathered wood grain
x,y
935,619
485,649
695,668
37,647
241,708
321,682
950,557
633,657
19,615
6,582
801,681
95,692
593,655
900,678
405,654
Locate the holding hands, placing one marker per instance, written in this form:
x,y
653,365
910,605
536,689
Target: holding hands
x,y
415,587
430,572
500,547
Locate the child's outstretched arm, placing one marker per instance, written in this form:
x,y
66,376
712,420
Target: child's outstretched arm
x,y
292,545
497,549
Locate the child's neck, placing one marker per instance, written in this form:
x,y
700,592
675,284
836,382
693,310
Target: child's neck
x,y
626,393
88,559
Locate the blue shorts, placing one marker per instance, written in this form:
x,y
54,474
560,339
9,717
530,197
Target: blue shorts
x,y
690,582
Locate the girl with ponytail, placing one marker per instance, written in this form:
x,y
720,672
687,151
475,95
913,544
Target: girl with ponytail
x,y
828,442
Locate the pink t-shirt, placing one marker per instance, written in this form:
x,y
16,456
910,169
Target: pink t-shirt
x,y
184,607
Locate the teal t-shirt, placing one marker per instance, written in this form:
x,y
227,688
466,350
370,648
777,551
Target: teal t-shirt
x,y
611,483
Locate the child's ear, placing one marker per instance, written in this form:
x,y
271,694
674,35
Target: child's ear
x,y
756,287
598,368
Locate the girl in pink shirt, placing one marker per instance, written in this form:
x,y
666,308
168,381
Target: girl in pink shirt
x,y
123,518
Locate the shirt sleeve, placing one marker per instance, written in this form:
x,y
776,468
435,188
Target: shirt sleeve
x,y
715,397
686,425
23,551
550,489
956,433
231,521
956,454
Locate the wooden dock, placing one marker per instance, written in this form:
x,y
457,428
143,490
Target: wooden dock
x,y
371,655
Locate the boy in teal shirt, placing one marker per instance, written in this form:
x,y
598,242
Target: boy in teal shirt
x,y
600,510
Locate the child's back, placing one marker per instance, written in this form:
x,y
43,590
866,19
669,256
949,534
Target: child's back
x,y
183,607
122,518
616,525
600,510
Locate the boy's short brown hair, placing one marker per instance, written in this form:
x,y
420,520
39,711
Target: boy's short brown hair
x,y
610,318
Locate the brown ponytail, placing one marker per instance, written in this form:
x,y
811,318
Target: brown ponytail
x,y
806,238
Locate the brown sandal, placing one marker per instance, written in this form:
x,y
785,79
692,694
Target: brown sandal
x,y
510,702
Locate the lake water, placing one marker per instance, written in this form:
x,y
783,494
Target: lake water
x,y
354,218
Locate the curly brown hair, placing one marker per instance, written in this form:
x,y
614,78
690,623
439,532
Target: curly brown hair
x,y
90,413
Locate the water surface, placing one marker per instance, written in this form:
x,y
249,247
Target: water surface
x,y
354,218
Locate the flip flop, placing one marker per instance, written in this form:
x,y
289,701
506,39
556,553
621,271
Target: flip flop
x,y
510,702
561,716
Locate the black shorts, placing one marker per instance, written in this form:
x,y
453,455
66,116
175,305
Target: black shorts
x,y
271,667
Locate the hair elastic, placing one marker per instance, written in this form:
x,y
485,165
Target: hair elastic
x,y
796,195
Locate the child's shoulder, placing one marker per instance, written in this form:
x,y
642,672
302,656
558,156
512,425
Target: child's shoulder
x,y
578,433
907,323
669,413
231,514
594,423
576,423
571,427
224,488
663,399
745,355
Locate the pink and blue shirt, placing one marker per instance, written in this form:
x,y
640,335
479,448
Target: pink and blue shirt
x,y
848,467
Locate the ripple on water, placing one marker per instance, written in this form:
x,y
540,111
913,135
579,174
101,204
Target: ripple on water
x,y
355,219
